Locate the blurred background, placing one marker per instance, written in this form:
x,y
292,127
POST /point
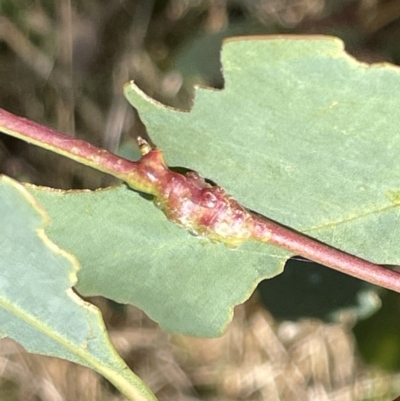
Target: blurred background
x,y
63,64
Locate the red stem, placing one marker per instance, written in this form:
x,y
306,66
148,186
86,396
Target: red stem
x,y
151,175
319,252
62,144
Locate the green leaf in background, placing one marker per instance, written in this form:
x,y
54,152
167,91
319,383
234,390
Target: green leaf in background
x,y
38,307
302,133
131,253
317,292
378,338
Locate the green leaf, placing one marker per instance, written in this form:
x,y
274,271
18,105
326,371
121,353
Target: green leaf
x,y
378,338
131,253
38,307
311,291
302,133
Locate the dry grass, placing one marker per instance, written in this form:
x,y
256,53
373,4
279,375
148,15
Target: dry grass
x,y
257,359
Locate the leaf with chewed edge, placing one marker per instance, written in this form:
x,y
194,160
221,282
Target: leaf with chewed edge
x,y
302,133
